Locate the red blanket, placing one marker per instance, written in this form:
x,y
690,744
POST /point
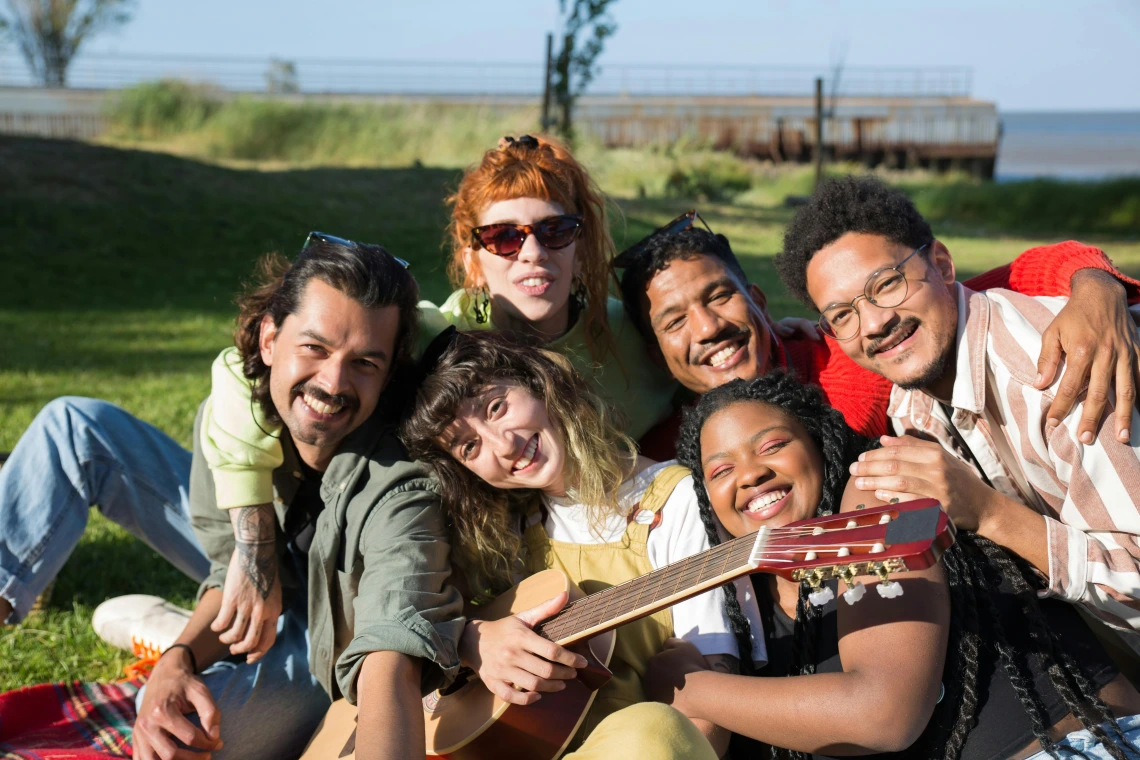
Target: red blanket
x,y
78,721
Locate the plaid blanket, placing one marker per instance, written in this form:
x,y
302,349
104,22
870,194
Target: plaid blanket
x,y
78,721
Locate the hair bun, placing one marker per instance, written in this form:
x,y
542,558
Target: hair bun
x,y
526,141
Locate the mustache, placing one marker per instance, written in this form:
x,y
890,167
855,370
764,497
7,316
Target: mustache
x,y
906,326
339,399
702,350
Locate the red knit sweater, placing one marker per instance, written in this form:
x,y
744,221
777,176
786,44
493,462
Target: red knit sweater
x,y
861,395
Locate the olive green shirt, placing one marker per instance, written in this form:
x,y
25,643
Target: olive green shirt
x,y
378,563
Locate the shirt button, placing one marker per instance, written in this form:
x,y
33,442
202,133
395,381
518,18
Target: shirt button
x,y
297,474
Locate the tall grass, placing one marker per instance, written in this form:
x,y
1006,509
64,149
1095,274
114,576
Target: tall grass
x,y
199,121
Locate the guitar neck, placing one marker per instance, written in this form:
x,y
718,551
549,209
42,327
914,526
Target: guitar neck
x,y
655,591
878,541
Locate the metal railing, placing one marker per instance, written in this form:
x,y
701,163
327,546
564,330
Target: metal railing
x,y
467,78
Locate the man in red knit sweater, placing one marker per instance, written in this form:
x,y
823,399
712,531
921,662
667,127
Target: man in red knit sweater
x,y
689,296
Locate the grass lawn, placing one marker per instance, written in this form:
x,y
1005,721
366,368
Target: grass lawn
x,y
117,273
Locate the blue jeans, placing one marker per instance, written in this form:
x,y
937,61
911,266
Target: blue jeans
x,y
1083,741
81,452
269,710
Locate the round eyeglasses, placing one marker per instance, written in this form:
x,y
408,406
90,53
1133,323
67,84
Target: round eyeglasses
x,y
885,288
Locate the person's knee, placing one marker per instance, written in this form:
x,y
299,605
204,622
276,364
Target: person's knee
x,y
656,730
67,414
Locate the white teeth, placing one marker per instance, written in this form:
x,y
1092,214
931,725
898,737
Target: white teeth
x,y
533,282
721,356
765,500
320,406
527,455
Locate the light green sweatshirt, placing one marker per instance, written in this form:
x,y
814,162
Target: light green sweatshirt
x,y
242,450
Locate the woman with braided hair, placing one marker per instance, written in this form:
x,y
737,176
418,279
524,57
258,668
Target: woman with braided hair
x,y
968,663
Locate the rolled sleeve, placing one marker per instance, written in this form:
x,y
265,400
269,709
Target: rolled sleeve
x,y
404,603
1068,561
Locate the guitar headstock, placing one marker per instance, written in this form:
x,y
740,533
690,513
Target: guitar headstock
x,y
878,541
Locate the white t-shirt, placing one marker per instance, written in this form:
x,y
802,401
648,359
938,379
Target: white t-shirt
x,y
700,620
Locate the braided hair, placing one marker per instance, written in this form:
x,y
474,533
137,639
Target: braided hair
x,y
975,568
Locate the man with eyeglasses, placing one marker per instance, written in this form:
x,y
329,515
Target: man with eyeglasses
x,y
688,295
975,429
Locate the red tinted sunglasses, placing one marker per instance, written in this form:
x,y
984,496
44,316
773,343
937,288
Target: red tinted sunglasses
x,y
506,239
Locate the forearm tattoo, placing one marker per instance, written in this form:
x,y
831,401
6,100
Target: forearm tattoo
x,y
255,529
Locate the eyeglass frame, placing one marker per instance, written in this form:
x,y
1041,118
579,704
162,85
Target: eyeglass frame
x,y
326,238
825,326
626,258
527,230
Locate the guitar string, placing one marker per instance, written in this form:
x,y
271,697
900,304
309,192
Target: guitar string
x,y
682,574
573,614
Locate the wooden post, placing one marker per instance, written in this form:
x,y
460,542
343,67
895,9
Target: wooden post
x,y
818,130
547,122
567,95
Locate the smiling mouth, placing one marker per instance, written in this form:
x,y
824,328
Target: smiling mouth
x,y
320,407
723,357
534,285
901,333
761,505
528,455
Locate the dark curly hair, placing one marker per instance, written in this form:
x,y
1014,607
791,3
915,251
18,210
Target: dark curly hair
x,y
842,205
658,253
367,274
975,568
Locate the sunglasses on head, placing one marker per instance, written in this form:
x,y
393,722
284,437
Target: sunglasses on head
x,y
684,222
506,239
320,237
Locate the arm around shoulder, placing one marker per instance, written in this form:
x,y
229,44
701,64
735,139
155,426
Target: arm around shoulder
x,y
241,447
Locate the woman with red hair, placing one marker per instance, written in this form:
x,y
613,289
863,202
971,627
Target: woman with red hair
x,y
530,254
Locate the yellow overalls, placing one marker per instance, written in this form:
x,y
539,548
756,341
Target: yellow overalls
x,y
621,719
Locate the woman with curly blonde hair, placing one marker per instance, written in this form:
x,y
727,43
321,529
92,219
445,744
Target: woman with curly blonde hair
x,y
535,474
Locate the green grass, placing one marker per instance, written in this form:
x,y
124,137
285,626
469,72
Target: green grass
x,y
118,268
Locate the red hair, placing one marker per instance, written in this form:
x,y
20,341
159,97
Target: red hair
x,y
539,168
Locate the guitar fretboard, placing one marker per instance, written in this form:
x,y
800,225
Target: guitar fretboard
x,y
648,593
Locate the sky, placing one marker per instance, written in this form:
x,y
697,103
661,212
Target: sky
x,y
1025,54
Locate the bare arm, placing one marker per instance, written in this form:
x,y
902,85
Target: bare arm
x,y
391,723
174,690
718,736
893,649
251,601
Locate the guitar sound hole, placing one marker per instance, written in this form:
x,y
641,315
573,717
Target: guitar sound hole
x,y
460,681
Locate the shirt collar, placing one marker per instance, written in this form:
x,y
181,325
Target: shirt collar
x,y
969,392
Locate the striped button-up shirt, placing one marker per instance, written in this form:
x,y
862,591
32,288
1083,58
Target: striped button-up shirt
x,y
1089,495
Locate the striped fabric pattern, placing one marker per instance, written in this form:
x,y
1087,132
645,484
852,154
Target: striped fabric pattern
x,y
1089,495
81,721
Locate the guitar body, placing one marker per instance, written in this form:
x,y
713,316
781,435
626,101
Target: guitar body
x,y
468,722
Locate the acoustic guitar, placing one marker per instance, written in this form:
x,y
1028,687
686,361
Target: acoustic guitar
x,y
465,721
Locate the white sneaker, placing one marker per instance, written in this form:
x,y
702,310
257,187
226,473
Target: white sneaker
x,y
144,625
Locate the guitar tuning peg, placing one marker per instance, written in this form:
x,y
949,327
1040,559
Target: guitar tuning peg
x,y
821,596
890,590
855,593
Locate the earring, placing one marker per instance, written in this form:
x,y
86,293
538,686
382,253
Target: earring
x,y
482,306
580,292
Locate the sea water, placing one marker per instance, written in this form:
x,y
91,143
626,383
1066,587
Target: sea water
x,y
1069,145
